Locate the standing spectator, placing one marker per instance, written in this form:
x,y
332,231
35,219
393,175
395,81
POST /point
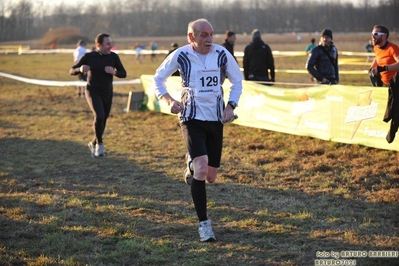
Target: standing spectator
x,y
201,110
138,47
322,61
386,53
77,55
311,45
101,66
308,49
258,60
369,47
174,46
154,46
230,39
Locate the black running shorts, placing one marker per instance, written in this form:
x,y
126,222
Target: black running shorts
x,y
204,138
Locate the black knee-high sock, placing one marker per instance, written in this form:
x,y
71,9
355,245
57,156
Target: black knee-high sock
x,y
198,192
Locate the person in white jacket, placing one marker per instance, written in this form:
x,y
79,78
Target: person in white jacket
x,y
201,110
78,53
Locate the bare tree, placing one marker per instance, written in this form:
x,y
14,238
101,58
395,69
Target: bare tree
x,y
129,18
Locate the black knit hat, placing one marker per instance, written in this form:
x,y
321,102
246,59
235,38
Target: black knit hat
x,y
255,34
326,32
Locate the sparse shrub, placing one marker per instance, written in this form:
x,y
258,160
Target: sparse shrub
x,y
63,35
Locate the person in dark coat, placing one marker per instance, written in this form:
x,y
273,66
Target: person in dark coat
x,y
322,62
258,60
230,39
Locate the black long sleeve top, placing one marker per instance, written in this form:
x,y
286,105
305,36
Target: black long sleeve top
x,y
97,78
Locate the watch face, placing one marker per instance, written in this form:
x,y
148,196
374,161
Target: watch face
x,y
233,104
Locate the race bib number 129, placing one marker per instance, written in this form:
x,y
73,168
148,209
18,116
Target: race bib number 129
x,y
207,82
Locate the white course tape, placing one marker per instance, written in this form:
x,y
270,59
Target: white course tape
x,y
63,83
12,49
70,51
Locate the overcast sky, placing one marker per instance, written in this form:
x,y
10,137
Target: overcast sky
x,y
52,3
74,2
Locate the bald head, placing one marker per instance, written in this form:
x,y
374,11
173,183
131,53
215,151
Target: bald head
x,y
196,26
200,35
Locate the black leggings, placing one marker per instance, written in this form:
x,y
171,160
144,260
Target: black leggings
x,y
100,104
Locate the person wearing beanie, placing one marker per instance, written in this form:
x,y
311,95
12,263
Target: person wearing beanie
x,y
229,40
384,72
258,61
322,62
255,34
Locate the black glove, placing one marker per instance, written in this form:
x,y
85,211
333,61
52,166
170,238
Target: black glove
x,y
382,68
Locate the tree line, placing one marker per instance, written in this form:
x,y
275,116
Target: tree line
x,y
137,18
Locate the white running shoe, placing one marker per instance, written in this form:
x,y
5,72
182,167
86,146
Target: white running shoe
x,y
205,231
99,150
92,148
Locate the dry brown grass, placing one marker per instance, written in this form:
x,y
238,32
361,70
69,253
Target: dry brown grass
x,y
277,201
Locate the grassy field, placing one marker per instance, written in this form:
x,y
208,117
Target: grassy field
x,y
279,199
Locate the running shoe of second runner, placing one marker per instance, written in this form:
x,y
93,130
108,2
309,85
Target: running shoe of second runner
x,y
189,171
92,148
99,150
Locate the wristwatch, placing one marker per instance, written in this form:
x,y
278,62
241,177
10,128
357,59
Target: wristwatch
x,y
232,104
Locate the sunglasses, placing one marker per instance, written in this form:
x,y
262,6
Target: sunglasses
x,y
378,33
